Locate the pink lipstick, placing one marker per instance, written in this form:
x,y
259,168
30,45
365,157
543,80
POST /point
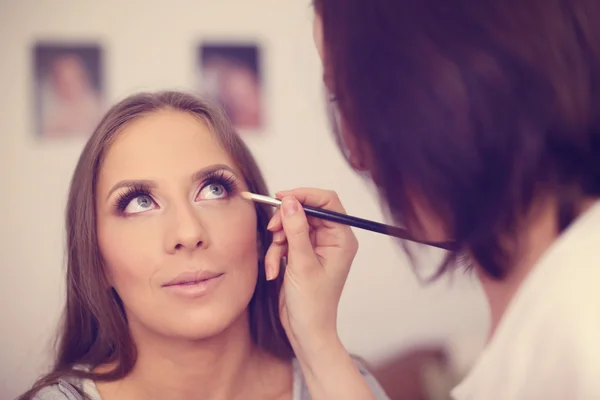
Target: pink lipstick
x,y
194,284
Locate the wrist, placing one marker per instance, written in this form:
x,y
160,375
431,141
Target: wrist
x,y
318,353
330,371
313,346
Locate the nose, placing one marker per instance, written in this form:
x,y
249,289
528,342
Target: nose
x,y
187,232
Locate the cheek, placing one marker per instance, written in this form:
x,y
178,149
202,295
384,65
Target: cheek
x,y
128,253
356,152
232,234
429,225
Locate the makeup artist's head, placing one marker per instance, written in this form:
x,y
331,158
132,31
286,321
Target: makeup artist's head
x,y
469,116
153,208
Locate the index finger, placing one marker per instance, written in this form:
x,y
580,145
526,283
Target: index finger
x,y
325,199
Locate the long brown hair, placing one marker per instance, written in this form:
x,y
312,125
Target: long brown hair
x,y
480,109
95,330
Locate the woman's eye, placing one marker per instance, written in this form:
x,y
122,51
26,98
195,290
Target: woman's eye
x,y
213,191
140,204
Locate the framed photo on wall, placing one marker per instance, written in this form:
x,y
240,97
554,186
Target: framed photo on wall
x,y
69,88
231,75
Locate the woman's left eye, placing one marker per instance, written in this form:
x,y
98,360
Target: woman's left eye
x,y
213,191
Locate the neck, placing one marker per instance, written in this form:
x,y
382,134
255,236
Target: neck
x,y
539,233
218,368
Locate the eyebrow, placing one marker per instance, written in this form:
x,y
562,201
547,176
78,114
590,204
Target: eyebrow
x,y
196,176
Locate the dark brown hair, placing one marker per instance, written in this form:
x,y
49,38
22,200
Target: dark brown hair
x,y
477,108
95,330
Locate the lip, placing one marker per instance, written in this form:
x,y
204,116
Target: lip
x,y
194,284
190,278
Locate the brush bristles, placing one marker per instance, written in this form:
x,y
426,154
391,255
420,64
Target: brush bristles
x,y
261,199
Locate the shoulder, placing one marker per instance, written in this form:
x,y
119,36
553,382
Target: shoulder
x,y
301,390
57,391
546,344
67,389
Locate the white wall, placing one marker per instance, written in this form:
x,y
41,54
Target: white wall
x,y
149,45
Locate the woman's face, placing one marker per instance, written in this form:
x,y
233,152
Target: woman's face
x,y
179,244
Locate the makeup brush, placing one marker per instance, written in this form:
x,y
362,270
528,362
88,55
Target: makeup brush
x,y
344,219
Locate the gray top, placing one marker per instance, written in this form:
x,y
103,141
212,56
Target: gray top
x,y
65,389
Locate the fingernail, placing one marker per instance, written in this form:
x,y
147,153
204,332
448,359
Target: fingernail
x,y
271,224
290,206
279,237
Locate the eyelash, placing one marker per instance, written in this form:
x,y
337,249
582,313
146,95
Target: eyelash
x,y
228,183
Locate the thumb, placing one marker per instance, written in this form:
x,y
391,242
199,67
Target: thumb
x,y
297,232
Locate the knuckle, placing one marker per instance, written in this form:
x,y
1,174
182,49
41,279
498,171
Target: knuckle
x,y
332,194
352,243
335,202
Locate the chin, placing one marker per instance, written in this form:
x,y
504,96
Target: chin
x,y
197,333
207,324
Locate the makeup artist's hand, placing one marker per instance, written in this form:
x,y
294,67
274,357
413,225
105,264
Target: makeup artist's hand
x,y
319,254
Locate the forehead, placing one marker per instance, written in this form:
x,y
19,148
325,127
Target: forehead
x,y
164,144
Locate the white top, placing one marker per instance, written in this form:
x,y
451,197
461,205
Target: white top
x,y
547,344
69,388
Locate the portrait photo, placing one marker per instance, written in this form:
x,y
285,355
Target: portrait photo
x,y
230,74
69,89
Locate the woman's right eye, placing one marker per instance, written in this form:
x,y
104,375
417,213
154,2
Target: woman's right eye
x,y
140,204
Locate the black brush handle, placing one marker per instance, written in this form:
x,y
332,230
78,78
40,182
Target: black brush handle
x,y
372,226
